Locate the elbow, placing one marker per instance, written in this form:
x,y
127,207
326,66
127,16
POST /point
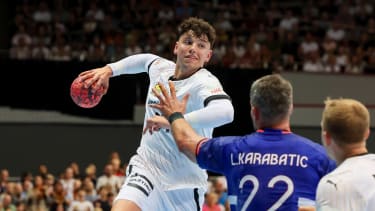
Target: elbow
x,y
228,114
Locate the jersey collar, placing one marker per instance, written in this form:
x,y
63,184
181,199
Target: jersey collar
x,y
273,131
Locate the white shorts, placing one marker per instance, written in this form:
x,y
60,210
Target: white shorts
x,y
142,188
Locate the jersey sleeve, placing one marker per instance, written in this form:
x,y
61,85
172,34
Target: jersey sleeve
x,y
213,154
211,89
133,64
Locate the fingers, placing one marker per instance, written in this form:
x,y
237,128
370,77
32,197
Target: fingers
x,y
164,91
151,126
172,89
185,99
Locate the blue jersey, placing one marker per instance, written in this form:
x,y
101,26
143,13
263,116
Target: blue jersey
x,y
267,170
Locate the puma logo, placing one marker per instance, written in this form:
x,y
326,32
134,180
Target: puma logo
x,y
334,184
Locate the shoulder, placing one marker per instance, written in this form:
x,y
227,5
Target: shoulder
x,y
205,80
310,144
342,176
160,65
225,141
203,73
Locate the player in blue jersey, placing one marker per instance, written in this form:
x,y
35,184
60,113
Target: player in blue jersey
x,y
270,169
159,176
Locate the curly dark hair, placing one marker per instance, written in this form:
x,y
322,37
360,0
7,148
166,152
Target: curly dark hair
x,y
199,27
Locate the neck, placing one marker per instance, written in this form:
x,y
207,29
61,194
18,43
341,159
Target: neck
x,y
283,125
350,151
180,74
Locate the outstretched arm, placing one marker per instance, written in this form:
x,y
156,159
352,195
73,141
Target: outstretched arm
x,y
99,77
186,138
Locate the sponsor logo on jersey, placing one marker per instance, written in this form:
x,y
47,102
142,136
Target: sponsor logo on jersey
x,y
216,90
141,183
332,183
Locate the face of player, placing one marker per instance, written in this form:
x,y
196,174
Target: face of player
x,y
192,52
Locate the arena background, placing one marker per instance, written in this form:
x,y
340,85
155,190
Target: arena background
x,y
40,124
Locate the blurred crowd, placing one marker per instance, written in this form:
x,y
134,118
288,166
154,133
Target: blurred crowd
x,y
73,189
335,36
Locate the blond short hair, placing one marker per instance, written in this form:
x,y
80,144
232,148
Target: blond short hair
x,y
346,120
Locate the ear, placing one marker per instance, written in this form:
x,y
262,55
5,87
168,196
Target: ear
x,y
327,139
367,134
209,55
291,109
175,48
255,113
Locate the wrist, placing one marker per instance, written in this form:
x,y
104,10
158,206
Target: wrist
x,y
174,116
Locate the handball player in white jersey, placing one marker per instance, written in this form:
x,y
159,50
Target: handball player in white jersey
x,y
159,176
345,130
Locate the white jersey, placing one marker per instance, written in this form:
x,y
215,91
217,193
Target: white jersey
x,y
351,186
158,151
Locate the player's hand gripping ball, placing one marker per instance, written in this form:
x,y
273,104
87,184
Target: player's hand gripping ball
x,y
85,97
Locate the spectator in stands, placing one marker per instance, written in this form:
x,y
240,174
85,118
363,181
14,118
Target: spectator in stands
x,y
109,179
308,46
6,202
4,179
80,202
357,65
90,172
219,186
67,182
89,187
288,23
38,199
313,63
336,32
211,203
331,65
59,197
61,49
102,199
42,13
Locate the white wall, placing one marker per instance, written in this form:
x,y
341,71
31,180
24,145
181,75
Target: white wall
x,y
310,91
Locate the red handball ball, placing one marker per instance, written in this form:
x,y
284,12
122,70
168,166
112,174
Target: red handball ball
x,y
85,97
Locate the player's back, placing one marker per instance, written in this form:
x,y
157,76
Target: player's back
x,y
272,170
353,180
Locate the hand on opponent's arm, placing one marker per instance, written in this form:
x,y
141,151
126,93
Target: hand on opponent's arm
x,y
98,77
173,109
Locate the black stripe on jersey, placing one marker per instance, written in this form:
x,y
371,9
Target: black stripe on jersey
x,y
139,188
130,169
215,97
141,183
149,65
196,198
145,178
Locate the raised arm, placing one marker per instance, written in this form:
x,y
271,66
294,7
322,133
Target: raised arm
x,y
129,65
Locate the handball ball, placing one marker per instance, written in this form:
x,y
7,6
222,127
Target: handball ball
x,y
85,97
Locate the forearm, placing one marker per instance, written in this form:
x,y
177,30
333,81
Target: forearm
x,y
186,138
215,114
132,64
